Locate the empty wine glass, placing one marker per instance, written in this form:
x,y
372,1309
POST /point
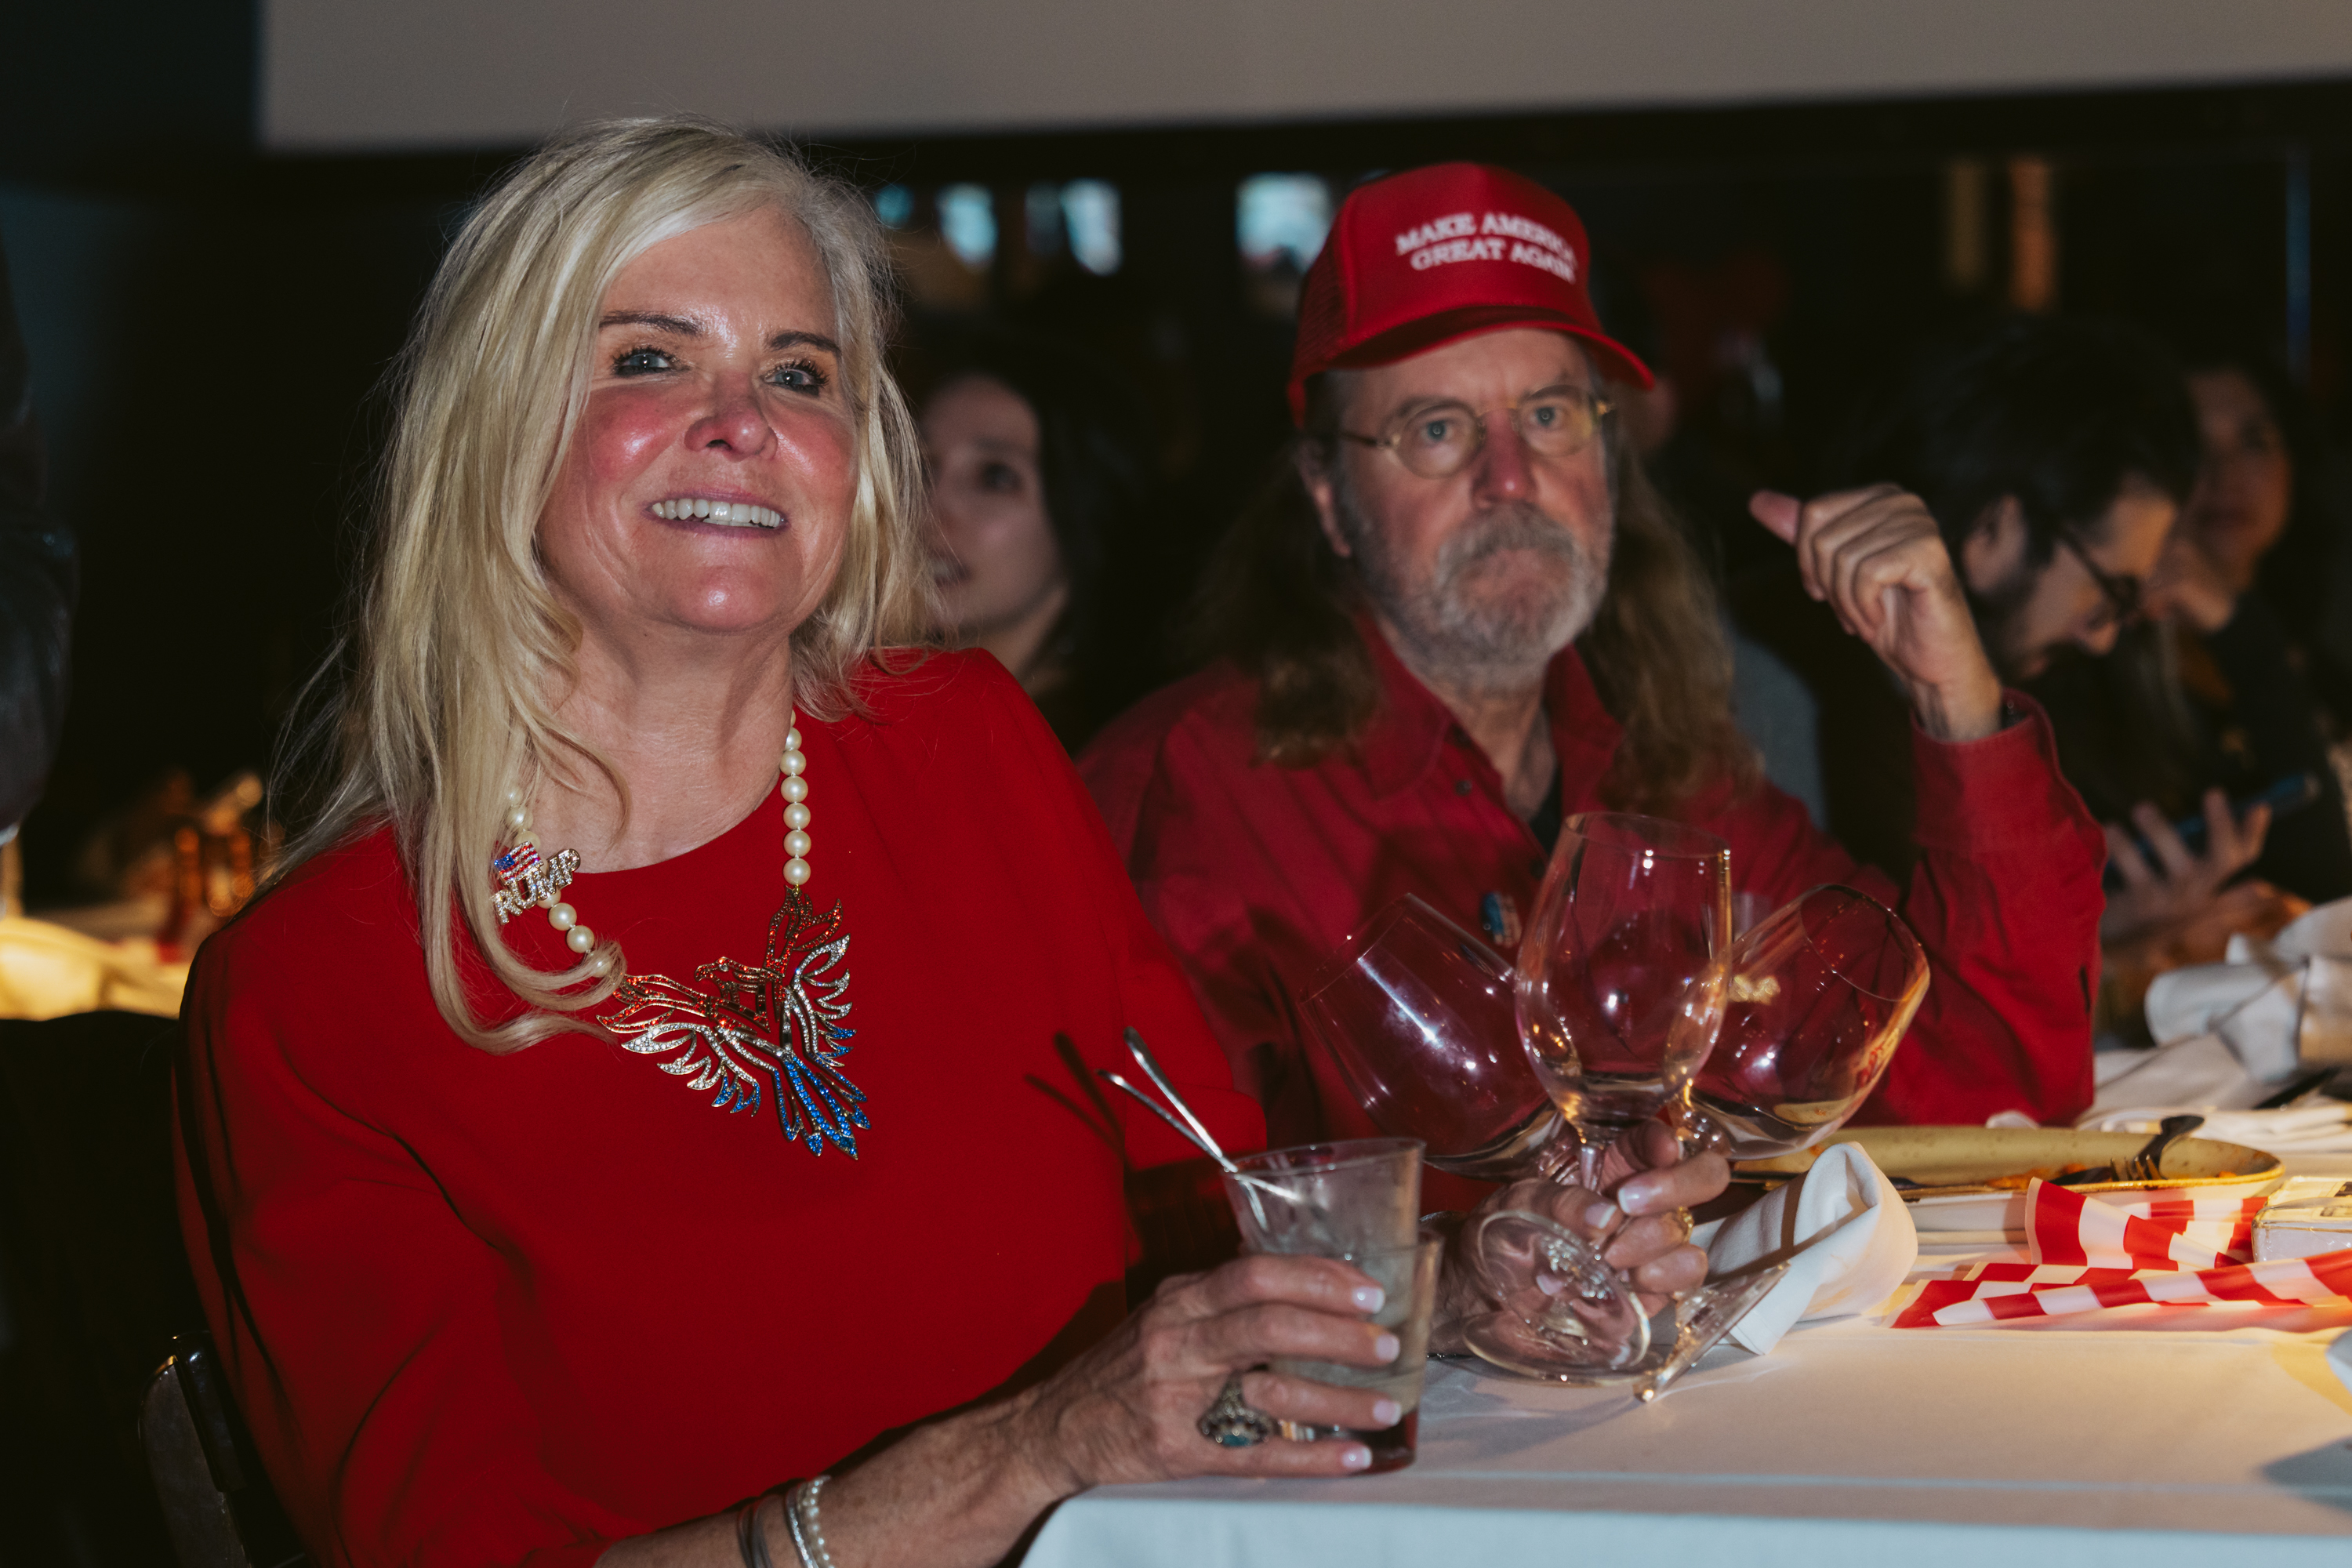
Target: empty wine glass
x,y
1621,975
1820,994
1418,1016
1619,993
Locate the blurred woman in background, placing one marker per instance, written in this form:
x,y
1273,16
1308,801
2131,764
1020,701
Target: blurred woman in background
x,y
1040,469
2219,695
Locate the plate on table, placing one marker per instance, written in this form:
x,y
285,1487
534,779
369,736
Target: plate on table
x,y
1956,1168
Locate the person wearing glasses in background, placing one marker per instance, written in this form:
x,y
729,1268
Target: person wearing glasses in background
x,y
2054,455
2219,692
1460,615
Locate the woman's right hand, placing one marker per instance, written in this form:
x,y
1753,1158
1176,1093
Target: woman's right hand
x,y
1129,1410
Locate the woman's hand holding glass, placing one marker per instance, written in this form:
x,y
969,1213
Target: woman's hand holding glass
x,y
1129,1410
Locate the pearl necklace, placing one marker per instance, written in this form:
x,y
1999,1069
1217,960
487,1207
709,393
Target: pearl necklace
x,y
529,879
775,1032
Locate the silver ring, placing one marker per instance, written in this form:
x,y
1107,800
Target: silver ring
x,y
1232,1422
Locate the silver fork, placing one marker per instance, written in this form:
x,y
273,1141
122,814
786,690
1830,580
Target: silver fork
x,y
2147,1166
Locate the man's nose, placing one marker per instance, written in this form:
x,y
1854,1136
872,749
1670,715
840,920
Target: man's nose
x,y
734,421
1502,469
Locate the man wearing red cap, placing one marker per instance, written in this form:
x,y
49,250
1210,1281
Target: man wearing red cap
x,y
1463,614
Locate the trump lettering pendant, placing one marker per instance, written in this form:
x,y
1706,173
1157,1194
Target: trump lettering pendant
x,y
778,1027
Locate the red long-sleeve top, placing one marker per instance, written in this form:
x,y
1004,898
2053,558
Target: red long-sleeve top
x,y
508,1308
1255,872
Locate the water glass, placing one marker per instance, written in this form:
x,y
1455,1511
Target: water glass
x,y
1409,1276
1360,1195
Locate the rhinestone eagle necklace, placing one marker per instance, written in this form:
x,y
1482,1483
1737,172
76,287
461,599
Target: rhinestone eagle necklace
x,y
776,1030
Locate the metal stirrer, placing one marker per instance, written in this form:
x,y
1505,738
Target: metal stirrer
x,y
1194,1130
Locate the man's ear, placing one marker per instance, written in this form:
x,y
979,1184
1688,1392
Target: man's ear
x,y
1994,548
1315,474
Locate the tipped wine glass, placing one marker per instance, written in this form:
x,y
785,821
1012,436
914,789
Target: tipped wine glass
x,y
1418,1016
1820,994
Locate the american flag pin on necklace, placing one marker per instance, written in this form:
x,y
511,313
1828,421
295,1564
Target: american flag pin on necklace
x,y
526,878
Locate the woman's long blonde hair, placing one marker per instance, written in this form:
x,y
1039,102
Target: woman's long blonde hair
x,y
462,653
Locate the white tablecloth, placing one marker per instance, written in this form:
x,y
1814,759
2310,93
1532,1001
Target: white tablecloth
x,y
2140,1443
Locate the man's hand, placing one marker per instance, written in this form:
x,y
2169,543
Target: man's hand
x,y
1875,557
2180,886
1643,1213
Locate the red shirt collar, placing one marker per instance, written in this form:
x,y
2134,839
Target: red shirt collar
x,y
1412,724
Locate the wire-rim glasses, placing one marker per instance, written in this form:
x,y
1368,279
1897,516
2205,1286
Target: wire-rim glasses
x,y
1440,439
2121,594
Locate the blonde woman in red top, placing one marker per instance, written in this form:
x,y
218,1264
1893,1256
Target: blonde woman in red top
x,y
665,1071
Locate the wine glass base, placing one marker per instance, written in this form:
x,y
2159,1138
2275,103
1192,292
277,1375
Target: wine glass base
x,y
1508,1341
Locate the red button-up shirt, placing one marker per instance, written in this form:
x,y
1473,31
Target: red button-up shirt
x,y
1257,872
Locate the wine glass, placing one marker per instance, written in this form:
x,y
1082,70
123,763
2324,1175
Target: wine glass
x,y
1619,993
1820,994
1621,977
1418,1016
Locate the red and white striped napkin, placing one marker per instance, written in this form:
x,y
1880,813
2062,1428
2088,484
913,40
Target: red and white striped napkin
x,y
2087,1254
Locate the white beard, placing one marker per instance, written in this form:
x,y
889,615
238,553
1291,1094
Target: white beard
x,y
1503,635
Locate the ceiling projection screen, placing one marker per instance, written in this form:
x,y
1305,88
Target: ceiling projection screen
x,y
421,74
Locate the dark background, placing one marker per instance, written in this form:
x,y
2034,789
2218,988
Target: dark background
x,y
209,324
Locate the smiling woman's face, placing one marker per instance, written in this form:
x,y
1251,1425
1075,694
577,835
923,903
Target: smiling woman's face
x,y
708,486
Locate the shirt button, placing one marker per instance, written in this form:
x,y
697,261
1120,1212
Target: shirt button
x,y
1461,786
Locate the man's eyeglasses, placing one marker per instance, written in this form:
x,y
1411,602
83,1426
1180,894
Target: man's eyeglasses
x,y
1440,440
2121,594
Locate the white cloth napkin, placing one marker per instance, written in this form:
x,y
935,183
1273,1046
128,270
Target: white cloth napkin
x,y
2204,1075
2182,1003
2322,1127
2277,1002
1840,1275
2200,1073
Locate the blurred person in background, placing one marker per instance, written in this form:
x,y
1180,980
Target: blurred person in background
x,y
2213,697
38,579
1459,614
2053,456
1040,457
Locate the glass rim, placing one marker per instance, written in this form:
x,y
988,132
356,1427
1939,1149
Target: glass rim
x,y
1349,1153
1356,944
1618,830
1895,922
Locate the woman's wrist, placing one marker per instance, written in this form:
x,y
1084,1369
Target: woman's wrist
x,y
993,1470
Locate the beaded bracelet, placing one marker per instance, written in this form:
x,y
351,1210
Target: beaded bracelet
x,y
808,1535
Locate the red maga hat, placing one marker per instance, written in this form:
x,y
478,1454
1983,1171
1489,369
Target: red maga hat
x,y
1421,258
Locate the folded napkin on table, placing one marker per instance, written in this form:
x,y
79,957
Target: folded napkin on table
x,y
2280,1005
2086,1255
2322,1127
2204,1075
1861,1244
